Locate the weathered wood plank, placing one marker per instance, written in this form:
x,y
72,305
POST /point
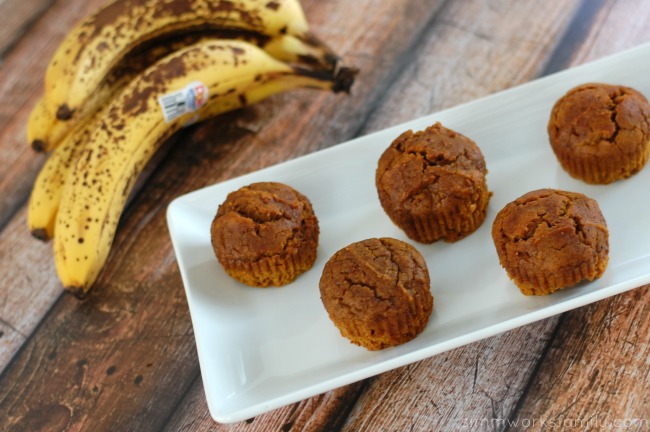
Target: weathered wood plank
x,y
325,412
84,358
595,374
583,19
28,288
18,15
618,26
474,49
455,390
137,311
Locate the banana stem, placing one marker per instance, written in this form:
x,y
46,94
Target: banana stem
x,y
340,79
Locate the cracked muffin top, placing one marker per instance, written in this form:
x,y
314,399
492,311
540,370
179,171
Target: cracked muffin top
x,y
377,292
265,234
432,184
550,239
601,132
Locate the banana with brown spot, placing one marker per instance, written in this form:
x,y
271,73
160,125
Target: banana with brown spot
x,y
133,127
45,131
100,41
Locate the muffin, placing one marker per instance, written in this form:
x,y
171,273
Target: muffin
x,y
600,132
265,234
551,239
432,184
377,292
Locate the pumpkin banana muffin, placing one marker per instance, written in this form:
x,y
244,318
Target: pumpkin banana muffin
x,y
600,132
432,184
377,292
265,234
550,239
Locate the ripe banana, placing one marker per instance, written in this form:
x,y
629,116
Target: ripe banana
x,y
222,76
99,42
45,131
46,192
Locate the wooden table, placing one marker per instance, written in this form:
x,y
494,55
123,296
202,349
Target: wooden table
x,y
125,358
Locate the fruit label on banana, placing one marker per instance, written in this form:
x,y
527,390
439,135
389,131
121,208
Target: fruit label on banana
x,y
186,100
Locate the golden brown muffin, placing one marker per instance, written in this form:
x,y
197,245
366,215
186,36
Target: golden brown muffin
x,y
377,292
551,239
432,184
265,234
600,132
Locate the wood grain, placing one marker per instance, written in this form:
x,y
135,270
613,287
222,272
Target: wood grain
x,y
617,26
29,285
594,376
325,412
453,390
471,50
20,15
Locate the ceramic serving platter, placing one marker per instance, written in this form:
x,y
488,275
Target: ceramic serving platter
x,y
260,349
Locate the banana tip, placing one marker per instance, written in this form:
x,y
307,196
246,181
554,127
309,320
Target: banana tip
x,y
39,146
77,291
41,234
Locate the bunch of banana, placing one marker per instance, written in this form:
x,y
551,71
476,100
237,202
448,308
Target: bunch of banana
x,y
109,48
130,76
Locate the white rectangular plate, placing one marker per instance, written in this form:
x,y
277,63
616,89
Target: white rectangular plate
x,y
260,349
